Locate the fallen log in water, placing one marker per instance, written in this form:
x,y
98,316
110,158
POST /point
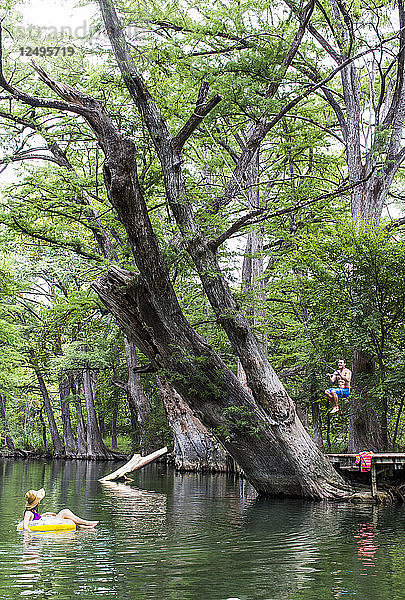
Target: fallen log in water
x,y
136,462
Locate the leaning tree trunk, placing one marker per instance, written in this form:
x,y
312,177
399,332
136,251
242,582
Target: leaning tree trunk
x,y
57,443
65,387
138,401
195,447
274,450
95,444
3,414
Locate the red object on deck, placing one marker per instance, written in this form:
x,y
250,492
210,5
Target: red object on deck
x,y
364,458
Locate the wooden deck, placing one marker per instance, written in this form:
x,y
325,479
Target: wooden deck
x,y
381,462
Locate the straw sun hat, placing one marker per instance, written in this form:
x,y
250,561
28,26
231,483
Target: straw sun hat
x,y
33,497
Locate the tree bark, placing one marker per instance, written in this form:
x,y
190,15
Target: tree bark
x,y
65,387
196,449
57,443
365,431
95,444
81,426
3,414
138,401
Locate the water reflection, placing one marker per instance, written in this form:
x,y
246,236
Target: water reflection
x,y
31,557
32,575
366,547
136,508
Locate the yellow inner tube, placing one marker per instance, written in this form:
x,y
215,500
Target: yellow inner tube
x,y
49,524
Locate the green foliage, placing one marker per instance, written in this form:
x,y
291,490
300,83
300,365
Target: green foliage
x,y
351,281
238,420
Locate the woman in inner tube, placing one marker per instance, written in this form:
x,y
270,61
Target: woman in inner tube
x,y
31,513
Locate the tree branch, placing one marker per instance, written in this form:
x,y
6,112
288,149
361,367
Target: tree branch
x,y
59,157
250,218
315,76
27,156
396,223
228,36
149,368
202,109
119,383
30,100
264,126
291,372
73,246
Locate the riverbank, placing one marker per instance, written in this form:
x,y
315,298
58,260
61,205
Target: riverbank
x,y
18,453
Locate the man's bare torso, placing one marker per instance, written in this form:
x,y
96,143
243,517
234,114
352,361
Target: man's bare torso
x,y
343,378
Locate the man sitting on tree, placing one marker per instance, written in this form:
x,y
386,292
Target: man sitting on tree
x,y
343,377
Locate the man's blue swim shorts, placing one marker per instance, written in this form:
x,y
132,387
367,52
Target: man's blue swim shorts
x,y
340,392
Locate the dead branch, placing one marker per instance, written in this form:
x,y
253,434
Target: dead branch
x,y
136,462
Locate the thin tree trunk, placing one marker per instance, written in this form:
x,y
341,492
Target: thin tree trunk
x,y
65,387
43,428
316,424
397,421
27,414
328,442
3,414
81,426
384,422
196,449
95,444
253,286
316,415
102,425
57,443
114,417
133,415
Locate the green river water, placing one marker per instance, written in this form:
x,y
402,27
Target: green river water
x,y
174,536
